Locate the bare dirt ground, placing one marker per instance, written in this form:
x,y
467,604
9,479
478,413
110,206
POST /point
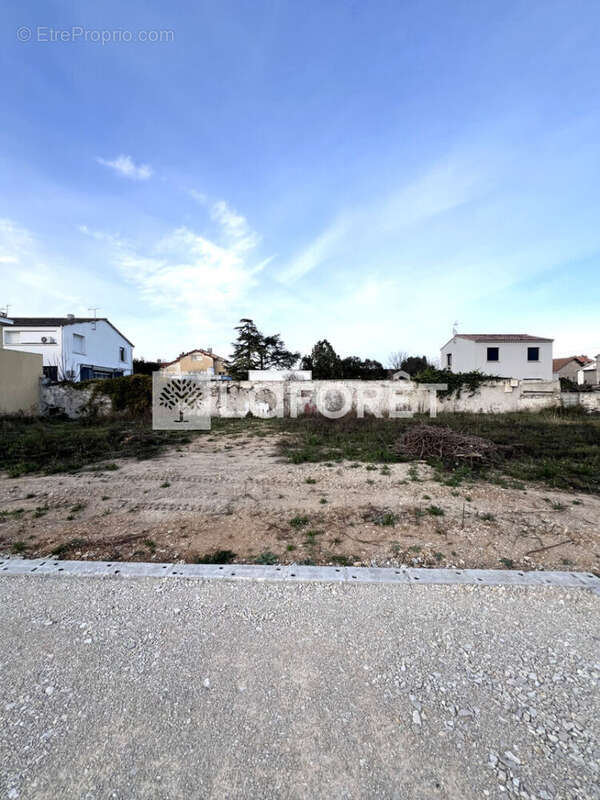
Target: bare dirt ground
x,y
237,494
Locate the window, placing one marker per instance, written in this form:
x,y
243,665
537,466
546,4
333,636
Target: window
x,y
121,354
533,354
493,354
78,343
51,373
449,360
197,356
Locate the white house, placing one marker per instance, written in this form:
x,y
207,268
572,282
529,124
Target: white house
x,y
508,355
589,374
73,348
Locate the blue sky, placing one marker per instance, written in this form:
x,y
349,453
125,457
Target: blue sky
x,y
362,172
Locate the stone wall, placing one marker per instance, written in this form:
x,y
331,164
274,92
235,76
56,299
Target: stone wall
x,y
296,398
381,398
590,401
64,398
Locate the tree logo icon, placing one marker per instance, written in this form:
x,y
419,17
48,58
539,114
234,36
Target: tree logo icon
x,y
180,395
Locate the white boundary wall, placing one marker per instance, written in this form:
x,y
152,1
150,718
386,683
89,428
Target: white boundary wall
x,y
279,375
378,398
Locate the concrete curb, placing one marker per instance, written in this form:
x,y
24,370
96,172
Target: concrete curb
x,y
132,569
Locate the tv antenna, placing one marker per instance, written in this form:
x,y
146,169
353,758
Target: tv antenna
x,y
455,327
94,309
5,310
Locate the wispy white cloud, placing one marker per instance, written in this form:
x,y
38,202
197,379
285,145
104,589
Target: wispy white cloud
x,y
437,191
316,253
199,197
234,226
15,241
183,271
443,188
101,236
35,278
125,166
203,278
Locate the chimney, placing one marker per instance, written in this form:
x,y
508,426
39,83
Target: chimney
x,y
70,316
209,349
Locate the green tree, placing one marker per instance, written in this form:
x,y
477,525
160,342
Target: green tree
x,y
323,361
414,364
371,370
245,350
275,355
253,350
327,365
143,367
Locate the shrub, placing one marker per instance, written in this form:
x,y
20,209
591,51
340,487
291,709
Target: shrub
x,y
266,558
299,522
385,518
217,557
435,511
130,394
456,381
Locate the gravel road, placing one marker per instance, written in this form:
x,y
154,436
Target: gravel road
x,y
148,688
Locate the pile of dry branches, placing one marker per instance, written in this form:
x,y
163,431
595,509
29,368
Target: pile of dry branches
x,y
432,441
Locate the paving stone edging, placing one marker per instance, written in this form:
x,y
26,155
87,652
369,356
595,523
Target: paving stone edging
x,y
130,569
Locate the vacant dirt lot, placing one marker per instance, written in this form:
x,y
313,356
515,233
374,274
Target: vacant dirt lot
x,y
235,493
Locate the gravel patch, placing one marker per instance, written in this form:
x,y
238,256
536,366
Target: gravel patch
x,y
144,688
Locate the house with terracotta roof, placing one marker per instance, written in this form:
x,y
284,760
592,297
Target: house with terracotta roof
x,y
199,361
72,348
569,366
589,374
508,355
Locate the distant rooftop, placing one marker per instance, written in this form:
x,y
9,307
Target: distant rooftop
x,y
502,337
559,363
59,322
208,353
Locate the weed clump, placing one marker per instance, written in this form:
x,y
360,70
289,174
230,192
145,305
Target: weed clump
x,y
217,557
299,522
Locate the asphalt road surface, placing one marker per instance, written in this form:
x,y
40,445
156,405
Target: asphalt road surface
x,y
150,688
